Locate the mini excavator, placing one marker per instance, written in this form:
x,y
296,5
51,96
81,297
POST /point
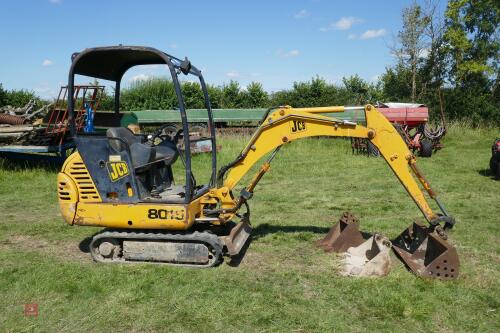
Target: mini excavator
x,y
124,181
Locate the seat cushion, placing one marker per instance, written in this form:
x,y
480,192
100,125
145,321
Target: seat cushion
x,y
117,134
167,152
141,154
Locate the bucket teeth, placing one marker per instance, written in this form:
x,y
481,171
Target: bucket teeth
x,y
370,259
343,235
427,253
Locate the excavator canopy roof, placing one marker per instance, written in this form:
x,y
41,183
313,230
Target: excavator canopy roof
x,y
111,62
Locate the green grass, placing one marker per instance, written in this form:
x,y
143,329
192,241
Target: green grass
x,y
284,283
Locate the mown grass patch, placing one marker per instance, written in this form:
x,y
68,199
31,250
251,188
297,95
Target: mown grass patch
x,y
284,283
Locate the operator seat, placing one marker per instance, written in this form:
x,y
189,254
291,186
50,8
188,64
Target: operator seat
x,y
142,154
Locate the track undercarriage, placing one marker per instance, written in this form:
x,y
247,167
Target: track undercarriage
x,y
200,248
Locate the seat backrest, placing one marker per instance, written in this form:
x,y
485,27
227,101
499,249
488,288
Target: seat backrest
x,y
122,133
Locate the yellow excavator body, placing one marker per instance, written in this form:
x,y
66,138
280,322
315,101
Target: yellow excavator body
x,y
123,181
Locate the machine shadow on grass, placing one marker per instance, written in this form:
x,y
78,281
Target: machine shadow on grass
x,y
487,173
84,245
265,229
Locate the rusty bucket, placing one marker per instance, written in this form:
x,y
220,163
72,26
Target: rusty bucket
x,y
427,253
343,235
237,238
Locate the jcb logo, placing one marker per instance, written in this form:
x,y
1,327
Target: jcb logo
x,y
297,126
117,170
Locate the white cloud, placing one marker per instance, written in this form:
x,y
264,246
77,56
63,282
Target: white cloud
x,y
47,62
233,74
173,46
344,23
302,14
55,1
139,77
375,78
287,54
368,34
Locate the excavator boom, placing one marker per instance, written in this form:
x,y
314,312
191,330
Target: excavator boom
x,y
424,250
286,124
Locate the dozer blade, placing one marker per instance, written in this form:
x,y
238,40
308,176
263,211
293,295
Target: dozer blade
x,y
427,253
237,238
343,235
372,258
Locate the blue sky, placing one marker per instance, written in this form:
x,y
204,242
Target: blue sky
x,y
273,42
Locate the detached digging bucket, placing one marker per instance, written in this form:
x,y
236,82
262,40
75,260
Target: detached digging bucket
x,y
362,258
343,235
372,258
427,253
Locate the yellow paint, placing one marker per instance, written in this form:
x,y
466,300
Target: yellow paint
x,y
141,216
68,196
74,186
378,130
77,171
138,216
130,192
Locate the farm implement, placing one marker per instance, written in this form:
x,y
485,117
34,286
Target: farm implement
x,y
411,122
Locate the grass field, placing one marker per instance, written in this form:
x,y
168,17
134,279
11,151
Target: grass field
x,y
284,283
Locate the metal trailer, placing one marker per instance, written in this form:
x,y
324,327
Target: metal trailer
x,y
51,142
55,154
223,118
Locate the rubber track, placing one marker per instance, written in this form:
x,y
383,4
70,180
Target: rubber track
x,y
194,237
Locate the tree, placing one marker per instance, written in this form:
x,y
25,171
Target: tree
x,y
358,88
231,95
255,96
396,84
151,94
193,96
215,95
19,98
413,44
3,96
473,43
433,70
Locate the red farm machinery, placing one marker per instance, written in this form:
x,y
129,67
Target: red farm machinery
x,y
411,121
